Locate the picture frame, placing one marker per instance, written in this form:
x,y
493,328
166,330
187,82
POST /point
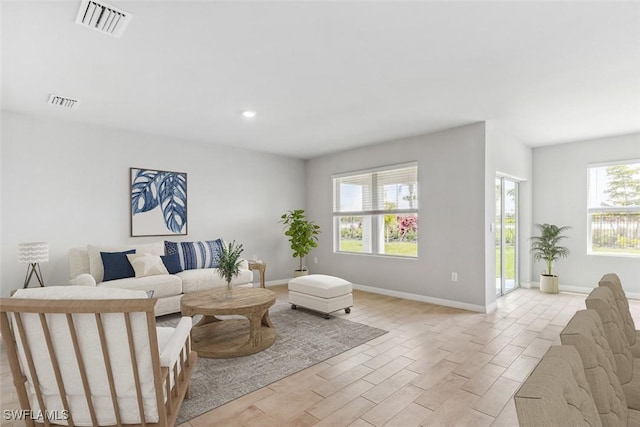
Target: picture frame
x,y
158,202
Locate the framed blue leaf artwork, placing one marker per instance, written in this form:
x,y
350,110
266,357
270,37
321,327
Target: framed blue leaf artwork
x,y
158,203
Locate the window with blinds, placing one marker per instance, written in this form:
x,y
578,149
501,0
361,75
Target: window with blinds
x,y
376,211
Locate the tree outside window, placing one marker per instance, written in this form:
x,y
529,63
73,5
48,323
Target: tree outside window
x,y
614,209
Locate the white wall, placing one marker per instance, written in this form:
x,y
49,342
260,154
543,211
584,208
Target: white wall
x,y
507,156
560,197
68,184
451,185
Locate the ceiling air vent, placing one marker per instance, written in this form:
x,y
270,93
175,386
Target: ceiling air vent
x,y
61,101
102,17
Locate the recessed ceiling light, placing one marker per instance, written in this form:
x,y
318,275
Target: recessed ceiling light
x,y
248,114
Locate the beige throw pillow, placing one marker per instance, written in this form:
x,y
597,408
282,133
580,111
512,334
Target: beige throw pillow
x,y
147,264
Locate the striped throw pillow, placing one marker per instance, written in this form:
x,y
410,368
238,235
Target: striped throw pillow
x,y
195,254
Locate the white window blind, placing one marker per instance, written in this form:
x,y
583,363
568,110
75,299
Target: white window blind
x,y
379,191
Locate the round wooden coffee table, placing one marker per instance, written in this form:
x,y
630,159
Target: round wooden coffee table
x,y
225,338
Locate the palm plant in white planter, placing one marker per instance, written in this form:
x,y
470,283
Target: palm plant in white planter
x,y
545,247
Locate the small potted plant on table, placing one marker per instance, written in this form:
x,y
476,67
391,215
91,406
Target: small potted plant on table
x,y
228,260
545,247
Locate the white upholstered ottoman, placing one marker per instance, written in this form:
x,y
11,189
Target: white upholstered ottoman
x,y
321,293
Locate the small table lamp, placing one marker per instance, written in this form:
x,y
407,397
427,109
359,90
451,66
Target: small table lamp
x,y
33,254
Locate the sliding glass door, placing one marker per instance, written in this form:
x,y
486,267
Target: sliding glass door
x,y
506,235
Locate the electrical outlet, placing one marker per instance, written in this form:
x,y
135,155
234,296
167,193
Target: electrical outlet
x,y
315,260
454,277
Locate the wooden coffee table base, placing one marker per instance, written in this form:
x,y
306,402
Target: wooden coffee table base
x,y
222,339
249,330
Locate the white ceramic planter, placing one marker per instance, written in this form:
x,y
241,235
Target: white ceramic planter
x,y
549,284
298,273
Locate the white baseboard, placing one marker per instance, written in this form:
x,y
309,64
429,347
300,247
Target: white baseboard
x,y
268,283
561,287
424,298
491,307
575,289
579,289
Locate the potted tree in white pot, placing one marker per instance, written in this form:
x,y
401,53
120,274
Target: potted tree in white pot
x,y
303,236
545,247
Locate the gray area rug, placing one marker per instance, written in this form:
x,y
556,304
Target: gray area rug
x,y
303,339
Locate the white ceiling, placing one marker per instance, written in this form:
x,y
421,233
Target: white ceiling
x,y
327,75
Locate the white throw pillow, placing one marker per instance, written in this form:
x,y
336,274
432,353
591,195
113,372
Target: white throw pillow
x,y
147,264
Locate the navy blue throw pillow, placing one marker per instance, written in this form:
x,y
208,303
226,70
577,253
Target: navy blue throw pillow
x,y
116,265
172,263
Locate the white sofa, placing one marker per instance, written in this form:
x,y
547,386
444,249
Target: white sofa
x,y
86,269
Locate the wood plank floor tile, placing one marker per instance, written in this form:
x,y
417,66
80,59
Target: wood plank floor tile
x,y
464,353
329,405
551,333
385,346
514,329
473,365
474,418
480,382
360,423
538,325
521,368
288,405
411,416
524,338
348,413
389,386
344,366
384,411
454,409
487,336
496,345
382,359
508,416
341,381
386,371
508,354
241,418
441,392
347,354
434,374
232,409
306,379
429,351
420,339
492,402
537,348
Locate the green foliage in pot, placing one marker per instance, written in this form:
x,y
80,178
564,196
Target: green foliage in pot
x,y
303,234
545,247
228,260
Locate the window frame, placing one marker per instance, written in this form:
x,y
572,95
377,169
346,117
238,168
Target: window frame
x,y
376,215
606,209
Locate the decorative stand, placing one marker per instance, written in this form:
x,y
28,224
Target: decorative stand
x,y
33,254
34,267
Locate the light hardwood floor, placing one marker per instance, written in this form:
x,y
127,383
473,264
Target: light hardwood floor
x,y
437,366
